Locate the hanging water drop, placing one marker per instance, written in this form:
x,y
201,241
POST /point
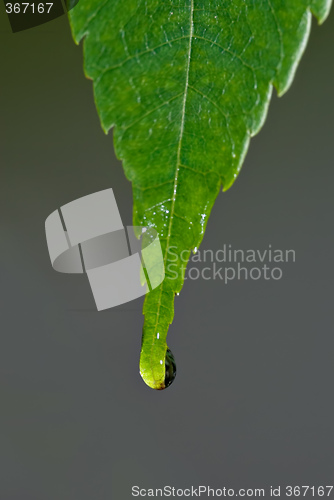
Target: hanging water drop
x,y
170,368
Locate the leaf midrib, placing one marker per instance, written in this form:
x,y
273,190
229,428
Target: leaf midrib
x,y
178,158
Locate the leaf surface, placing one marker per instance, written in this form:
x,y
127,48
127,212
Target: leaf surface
x,y
185,84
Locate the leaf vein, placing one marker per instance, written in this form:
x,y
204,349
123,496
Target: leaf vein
x,y
178,152
150,112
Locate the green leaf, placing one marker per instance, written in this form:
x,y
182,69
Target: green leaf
x,y
185,83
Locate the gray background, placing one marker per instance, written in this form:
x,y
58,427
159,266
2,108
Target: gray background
x,y
252,404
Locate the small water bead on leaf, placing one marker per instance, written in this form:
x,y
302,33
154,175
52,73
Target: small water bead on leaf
x,y
170,368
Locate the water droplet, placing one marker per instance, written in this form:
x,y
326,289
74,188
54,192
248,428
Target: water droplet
x,y
170,367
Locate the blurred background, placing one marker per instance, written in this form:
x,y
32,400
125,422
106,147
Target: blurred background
x,y
252,404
